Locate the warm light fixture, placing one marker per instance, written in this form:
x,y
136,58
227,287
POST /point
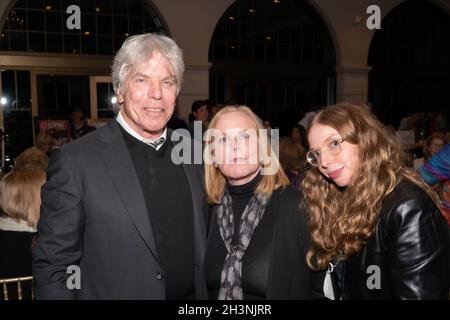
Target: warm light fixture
x,y
97,9
252,10
86,33
232,47
276,1
231,17
268,38
48,7
3,101
114,100
127,34
3,35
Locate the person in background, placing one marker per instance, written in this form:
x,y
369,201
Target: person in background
x,y
45,142
199,113
433,144
292,159
375,227
109,205
213,108
437,171
257,234
298,135
20,199
79,125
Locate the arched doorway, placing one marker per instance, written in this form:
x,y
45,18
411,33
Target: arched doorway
x,y
49,69
410,62
275,56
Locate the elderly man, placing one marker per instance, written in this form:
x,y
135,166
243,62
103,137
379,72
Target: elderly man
x,y
112,224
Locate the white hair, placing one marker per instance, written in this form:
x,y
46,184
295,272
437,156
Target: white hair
x,y
137,49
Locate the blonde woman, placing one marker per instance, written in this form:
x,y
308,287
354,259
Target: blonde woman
x,y
374,223
20,199
256,245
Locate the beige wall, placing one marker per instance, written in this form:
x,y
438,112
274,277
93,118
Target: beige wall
x,y
191,23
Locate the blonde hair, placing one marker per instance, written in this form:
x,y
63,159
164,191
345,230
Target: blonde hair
x,y
20,190
20,194
214,179
341,222
32,158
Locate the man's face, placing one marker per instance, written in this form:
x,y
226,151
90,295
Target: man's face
x,y
77,117
148,96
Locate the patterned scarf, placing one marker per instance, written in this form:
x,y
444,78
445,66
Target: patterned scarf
x,y
230,278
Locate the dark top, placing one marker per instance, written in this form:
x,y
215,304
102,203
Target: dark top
x,y
407,257
274,265
169,204
84,130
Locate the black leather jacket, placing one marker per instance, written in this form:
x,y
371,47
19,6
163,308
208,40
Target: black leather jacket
x,y
408,255
409,250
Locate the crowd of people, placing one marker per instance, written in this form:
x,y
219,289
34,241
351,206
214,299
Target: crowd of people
x,y
337,214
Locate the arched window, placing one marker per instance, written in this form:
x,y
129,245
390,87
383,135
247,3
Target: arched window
x,y
40,26
276,56
410,62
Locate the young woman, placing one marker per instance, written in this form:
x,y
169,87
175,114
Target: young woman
x,y
374,223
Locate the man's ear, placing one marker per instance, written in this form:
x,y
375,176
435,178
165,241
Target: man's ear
x,y
120,98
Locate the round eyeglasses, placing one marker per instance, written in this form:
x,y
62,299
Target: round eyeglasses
x,y
332,148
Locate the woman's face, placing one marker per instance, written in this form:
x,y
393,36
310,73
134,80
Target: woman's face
x,y
235,147
436,145
296,135
202,113
338,161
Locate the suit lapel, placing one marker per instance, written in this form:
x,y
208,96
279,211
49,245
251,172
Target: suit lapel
x,y
121,168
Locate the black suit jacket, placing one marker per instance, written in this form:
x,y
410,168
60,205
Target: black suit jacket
x,y
94,215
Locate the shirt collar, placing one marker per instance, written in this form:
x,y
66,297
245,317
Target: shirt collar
x,y
136,135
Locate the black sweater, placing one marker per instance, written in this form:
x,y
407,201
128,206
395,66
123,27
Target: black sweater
x,y
169,203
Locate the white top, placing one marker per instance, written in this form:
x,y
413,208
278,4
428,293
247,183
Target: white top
x,y
10,224
306,119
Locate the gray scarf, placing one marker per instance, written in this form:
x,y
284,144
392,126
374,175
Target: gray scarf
x,y
230,278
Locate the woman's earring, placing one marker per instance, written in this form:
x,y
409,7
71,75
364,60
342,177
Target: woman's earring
x,y
215,164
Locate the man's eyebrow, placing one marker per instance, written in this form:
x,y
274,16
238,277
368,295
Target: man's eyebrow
x,y
139,74
170,77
